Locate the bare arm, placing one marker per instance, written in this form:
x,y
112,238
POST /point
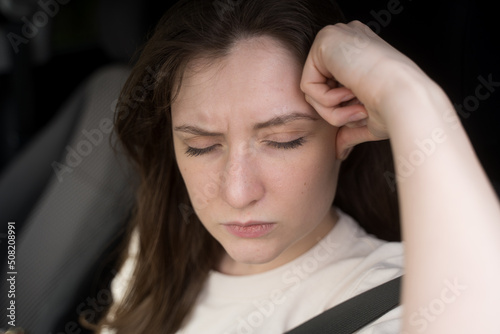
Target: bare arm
x,y
450,213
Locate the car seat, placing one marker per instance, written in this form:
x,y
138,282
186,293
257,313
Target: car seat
x,y
78,212
70,193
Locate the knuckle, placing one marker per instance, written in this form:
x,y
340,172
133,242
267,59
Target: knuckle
x,y
329,30
355,23
303,87
331,27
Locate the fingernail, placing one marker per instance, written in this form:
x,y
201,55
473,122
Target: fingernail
x,y
347,98
357,117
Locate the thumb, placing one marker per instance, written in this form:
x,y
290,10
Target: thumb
x,y
348,137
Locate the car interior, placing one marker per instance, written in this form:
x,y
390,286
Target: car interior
x,y
68,187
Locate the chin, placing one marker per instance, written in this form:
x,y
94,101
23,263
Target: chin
x,y
250,252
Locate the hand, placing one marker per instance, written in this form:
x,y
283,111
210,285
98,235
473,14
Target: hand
x,y
445,192
350,76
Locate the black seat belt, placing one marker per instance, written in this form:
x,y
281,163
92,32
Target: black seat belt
x,y
354,313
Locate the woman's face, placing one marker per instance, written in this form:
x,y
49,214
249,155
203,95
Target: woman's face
x,y
257,160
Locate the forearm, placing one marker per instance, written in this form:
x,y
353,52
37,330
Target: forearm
x,y
450,218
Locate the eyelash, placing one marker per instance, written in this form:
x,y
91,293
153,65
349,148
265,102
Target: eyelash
x,y
288,145
195,152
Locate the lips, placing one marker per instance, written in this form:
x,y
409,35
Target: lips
x,y
249,229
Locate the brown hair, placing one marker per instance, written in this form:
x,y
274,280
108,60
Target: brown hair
x,y
176,252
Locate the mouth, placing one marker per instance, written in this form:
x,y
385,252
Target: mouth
x,y
250,229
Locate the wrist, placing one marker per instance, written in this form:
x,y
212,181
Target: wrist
x,y
411,100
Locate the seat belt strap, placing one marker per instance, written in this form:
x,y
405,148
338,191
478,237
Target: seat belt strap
x,y
354,313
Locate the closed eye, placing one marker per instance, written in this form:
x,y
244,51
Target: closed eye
x,y
195,152
287,145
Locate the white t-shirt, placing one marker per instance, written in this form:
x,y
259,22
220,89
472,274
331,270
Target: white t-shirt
x,y
343,264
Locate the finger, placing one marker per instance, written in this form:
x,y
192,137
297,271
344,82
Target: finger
x,y
339,116
313,72
357,124
320,84
332,83
326,96
351,102
350,137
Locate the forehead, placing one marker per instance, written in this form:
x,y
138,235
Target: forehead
x,y
258,76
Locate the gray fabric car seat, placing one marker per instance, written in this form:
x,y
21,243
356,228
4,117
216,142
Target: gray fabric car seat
x,y
84,205
71,194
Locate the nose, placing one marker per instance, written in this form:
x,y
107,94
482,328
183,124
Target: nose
x,y
242,186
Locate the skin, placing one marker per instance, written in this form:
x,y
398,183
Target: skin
x,y
449,211
244,176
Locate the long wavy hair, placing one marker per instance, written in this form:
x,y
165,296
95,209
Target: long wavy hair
x,y
176,253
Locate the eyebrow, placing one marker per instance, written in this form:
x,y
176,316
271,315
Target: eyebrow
x,y
275,121
194,130
283,119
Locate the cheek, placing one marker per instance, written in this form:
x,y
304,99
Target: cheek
x,y
203,182
193,177
321,167
200,191
319,181
308,182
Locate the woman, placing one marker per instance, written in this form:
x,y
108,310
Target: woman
x,y
238,135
